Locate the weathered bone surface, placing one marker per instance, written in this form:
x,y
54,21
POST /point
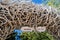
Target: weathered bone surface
x,y
16,16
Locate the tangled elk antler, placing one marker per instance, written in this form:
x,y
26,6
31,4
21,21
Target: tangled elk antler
x,y
27,14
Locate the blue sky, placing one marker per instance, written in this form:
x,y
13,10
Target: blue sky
x,y
38,1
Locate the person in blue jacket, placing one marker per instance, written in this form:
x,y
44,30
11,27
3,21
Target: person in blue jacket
x,y
17,37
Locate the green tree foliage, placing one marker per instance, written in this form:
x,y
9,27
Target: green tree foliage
x,y
54,3
34,36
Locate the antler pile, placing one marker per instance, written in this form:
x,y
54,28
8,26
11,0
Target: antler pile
x,y
27,14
